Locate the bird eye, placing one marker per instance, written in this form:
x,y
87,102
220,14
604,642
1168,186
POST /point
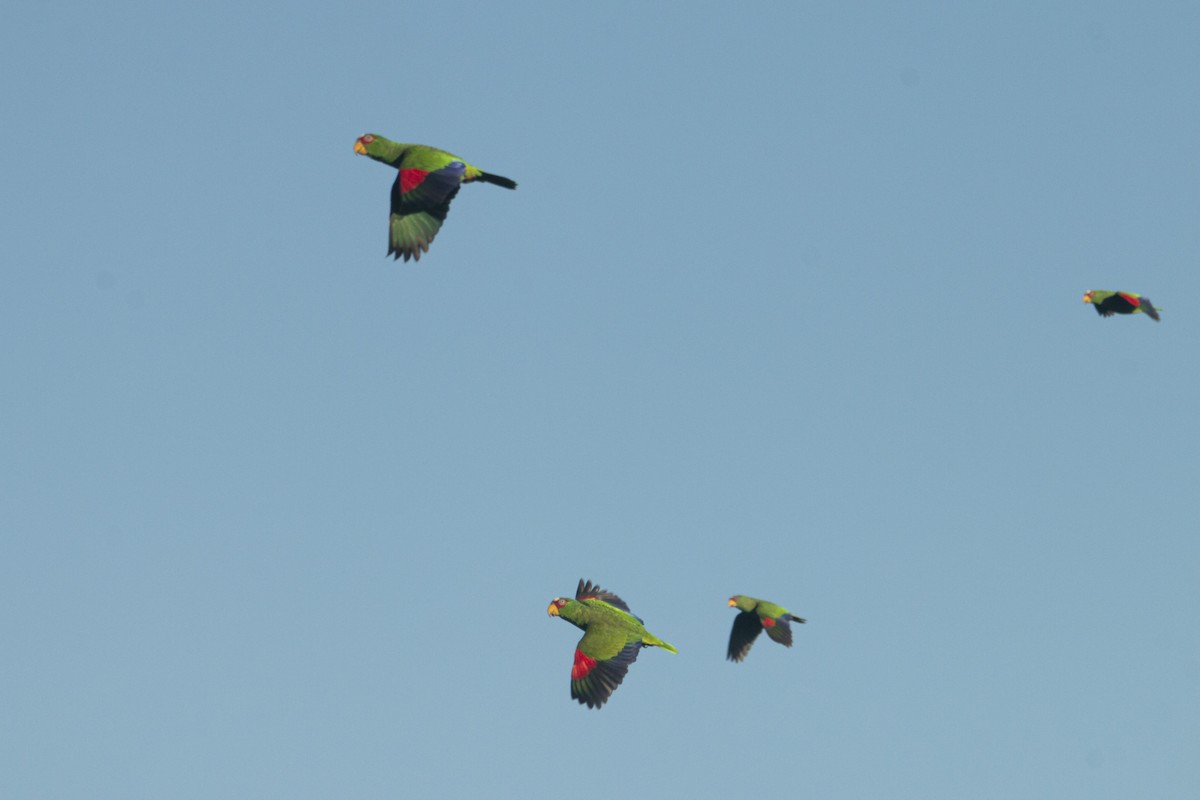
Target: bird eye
x,y
368,138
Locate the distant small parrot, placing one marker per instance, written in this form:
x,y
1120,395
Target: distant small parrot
x,y
428,180
612,637
1109,303
755,616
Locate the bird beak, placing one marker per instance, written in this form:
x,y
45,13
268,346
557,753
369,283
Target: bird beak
x,y
732,604
1087,298
552,610
360,148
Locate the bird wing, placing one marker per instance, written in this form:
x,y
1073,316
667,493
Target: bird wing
x,y
592,591
600,666
746,628
1115,303
1149,309
1130,299
420,203
779,630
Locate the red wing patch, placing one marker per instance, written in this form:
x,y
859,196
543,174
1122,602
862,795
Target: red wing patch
x,y
1128,298
599,678
411,179
768,622
582,666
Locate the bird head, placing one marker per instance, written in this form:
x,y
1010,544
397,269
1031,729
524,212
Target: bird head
x,y
741,603
1089,296
363,142
556,605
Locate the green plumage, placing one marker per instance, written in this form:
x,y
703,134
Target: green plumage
x,y
756,616
427,180
612,637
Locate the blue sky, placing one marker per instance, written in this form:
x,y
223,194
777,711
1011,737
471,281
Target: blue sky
x,y
788,303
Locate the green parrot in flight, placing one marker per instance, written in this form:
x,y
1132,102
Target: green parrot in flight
x,y
755,616
427,181
612,637
1109,303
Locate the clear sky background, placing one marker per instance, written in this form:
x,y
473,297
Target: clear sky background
x,y
788,303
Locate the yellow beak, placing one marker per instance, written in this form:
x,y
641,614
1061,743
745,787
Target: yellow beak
x,y
732,604
360,148
1087,298
552,610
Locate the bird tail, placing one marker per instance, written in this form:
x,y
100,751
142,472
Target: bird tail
x,y
499,180
794,618
654,641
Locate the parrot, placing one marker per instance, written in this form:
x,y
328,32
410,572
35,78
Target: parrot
x,y
428,180
612,637
1109,303
755,615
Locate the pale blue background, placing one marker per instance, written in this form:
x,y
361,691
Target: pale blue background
x,y
788,303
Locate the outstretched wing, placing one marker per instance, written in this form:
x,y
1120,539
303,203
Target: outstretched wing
x,y
592,591
420,202
1148,309
593,678
779,630
1117,303
745,630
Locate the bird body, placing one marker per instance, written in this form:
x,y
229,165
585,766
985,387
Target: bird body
x,y
612,637
427,180
1109,303
754,617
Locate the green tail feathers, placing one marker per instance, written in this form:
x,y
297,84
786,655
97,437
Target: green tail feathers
x,y
654,641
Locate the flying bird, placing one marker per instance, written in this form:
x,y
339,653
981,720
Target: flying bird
x,y
427,181
612,637
1109,303
757,615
